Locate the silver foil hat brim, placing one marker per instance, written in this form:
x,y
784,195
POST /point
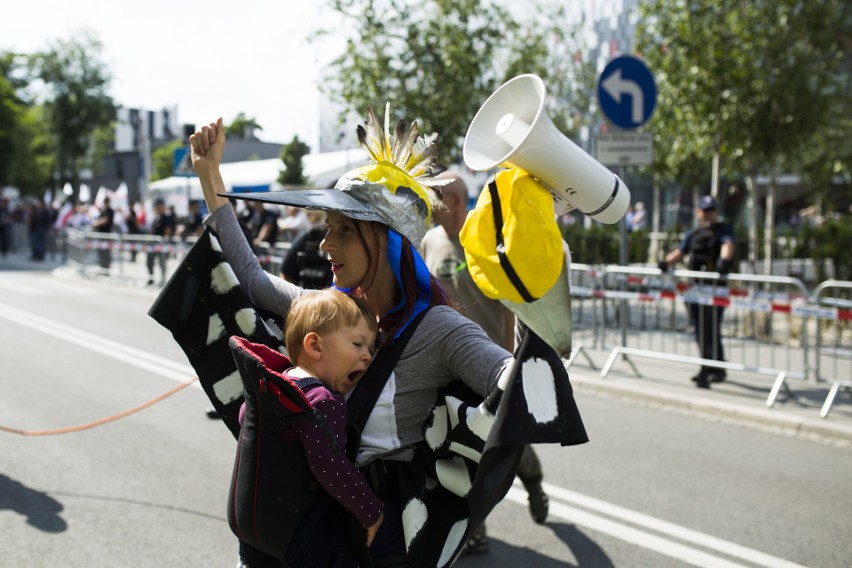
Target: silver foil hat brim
x,y
323,199
363,201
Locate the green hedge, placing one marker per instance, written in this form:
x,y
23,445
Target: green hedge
x,y
599,244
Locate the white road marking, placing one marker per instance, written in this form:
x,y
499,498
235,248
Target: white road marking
x,y
661,544
28,285
161,366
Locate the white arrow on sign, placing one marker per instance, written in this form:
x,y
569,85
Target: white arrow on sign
x,y
615,86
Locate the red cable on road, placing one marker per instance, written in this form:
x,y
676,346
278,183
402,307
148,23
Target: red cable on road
x,y
112,418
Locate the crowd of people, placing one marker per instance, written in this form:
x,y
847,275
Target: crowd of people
x,y
26,226
38,228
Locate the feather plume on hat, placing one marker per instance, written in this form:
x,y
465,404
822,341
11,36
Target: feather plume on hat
x,y
415,155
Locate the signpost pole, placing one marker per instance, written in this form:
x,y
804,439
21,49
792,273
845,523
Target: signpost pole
x,y
627,96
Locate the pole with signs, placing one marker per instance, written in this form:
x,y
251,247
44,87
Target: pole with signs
x,y
627,95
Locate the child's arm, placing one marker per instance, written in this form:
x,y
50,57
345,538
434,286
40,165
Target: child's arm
x,y
335,473
374,528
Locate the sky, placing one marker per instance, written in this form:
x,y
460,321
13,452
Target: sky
x,y
213,58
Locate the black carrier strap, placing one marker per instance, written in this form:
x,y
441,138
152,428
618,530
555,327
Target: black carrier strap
x,y
362,400
501,245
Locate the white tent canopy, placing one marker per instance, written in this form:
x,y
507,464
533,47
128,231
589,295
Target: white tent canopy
x,y
256,175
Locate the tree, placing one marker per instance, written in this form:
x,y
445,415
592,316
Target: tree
x,y
438,61
35,153
752,82
77,102
11,109
25,144
242,128
292,155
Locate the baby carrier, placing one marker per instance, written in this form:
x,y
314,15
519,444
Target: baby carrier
x,y
272,486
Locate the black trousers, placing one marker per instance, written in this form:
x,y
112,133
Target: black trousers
x,y
707,324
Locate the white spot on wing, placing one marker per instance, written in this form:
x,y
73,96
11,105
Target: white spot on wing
x,y
414,517
230,388
539,390
453,404
470,453
246,319
437,432
215,328
453,475
214,243
453,541
505,375
480,421
223,279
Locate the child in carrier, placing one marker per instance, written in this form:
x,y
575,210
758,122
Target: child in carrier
x,y
330,338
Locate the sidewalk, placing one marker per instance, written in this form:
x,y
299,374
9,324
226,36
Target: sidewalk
x,y
740,399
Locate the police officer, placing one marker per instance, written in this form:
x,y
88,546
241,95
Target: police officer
x,y
710,248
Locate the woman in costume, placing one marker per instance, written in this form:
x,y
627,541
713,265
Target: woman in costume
x,y
376,217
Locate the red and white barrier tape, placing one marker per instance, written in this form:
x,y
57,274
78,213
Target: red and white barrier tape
x,y
796,307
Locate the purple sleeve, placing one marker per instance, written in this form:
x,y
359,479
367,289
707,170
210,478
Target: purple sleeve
x,y
335,472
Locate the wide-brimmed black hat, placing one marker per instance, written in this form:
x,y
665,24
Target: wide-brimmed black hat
x,y
395,189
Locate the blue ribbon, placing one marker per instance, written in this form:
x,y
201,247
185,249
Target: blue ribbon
x,y
421,276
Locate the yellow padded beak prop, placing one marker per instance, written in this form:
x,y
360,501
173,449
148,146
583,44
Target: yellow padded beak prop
x,y
512,243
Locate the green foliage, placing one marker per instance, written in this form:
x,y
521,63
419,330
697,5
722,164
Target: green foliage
x,y
242,128
34,153
163,159
26,142
591,245
292,154
11,116
76,99
437,62
829,240
759,82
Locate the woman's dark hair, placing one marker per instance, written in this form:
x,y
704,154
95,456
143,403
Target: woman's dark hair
x,y
390,323
437,297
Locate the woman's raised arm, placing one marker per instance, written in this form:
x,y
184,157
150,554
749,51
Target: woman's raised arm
x,y
207,146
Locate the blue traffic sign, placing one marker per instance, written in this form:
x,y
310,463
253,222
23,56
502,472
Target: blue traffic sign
x,y
183,162
626,92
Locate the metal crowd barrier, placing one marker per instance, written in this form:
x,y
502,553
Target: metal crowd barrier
x,y
770,325
584,311
114,254
831,309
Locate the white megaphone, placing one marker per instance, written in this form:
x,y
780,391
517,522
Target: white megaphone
x,y
513,129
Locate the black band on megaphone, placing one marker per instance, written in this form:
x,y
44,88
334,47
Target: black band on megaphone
x,y
608,202
501,245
